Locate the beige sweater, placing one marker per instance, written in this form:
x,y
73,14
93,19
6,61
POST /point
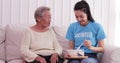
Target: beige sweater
x,y
43,43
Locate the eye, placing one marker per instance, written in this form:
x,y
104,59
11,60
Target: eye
x,y
76,16
81,16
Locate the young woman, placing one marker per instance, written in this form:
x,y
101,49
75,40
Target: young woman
x,y
85,32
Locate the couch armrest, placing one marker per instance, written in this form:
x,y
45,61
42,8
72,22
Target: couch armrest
x,y
99,56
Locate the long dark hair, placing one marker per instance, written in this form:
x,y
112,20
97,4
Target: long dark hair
x,y
83,5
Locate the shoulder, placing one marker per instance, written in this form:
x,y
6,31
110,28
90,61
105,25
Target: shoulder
x,y
51,30
27,30
73,25
96,24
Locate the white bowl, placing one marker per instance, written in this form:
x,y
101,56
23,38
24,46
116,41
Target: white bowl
x,y
75,52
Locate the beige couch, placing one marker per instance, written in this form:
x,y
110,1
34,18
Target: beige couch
x,y
2,47
10,38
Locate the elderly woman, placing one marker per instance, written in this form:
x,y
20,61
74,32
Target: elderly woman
x,y
39,44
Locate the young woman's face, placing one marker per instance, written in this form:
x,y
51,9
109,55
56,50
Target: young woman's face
x,y
81,17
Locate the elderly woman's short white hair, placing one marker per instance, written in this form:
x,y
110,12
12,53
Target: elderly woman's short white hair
x,y
40,11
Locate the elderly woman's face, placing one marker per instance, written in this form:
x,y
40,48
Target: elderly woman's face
x,y
46,19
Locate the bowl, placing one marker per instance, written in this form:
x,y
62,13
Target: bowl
x,y
75,52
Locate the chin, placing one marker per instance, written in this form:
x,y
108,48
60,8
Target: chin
x,y
47,25
82,24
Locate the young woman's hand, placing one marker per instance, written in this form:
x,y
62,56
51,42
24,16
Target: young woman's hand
x,y
88,43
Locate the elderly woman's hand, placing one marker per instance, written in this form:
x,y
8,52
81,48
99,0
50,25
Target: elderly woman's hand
x,y
54,58
40,59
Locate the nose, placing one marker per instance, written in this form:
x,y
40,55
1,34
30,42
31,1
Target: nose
x,y
49,20
79,19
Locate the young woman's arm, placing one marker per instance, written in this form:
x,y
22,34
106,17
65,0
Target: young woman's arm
x,y
100,47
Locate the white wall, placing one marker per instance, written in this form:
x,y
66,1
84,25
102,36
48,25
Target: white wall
x,y
117,34
21,12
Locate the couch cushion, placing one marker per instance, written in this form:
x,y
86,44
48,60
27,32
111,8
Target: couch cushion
x,y
1,61
2,52
13,41
115,56
60,32
2,38
2,34
16,61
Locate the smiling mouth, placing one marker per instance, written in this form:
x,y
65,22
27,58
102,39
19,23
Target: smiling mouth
x,y
48,23
82,21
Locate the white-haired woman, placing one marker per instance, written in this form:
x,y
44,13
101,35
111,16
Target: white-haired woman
x,y
39,44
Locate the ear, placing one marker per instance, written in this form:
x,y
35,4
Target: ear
x,y
38,18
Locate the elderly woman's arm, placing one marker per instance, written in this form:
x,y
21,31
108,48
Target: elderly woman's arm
x,y
57,46
25,44
58,49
